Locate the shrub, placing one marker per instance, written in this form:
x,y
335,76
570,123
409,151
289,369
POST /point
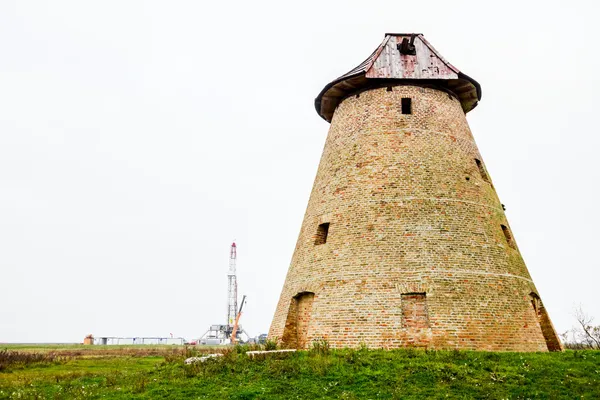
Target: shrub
x,y
19,359
270,344
320,346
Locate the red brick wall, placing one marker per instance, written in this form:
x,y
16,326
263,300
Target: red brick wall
x,y
295,332
414,311
304,312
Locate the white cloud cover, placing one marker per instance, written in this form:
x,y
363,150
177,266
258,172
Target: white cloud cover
x,y
139,138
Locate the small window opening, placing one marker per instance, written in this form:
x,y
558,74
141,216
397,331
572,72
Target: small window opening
x,y
414,310
467,178
358,95
322,231
535,302
482,171
406,105
389,88
508,236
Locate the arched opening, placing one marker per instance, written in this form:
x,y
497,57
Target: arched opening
x,y
295,333
543,319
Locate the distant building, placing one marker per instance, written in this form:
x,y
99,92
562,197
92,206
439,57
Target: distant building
x,y
114,340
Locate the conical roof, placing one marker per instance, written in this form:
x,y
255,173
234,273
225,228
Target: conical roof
x,y
404,57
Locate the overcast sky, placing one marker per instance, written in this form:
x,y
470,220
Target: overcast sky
x,y
138,139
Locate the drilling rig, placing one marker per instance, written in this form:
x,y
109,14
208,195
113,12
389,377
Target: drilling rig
x,y
230,332
231,290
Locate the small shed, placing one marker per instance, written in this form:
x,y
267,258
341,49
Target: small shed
x,y
89,339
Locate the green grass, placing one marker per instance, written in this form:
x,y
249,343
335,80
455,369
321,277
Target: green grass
x,y
318,374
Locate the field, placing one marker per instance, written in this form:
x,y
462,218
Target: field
x,y
144,372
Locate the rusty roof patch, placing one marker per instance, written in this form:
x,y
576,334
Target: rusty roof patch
x,y
388,65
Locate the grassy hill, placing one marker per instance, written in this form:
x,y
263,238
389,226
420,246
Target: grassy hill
x,y
121,372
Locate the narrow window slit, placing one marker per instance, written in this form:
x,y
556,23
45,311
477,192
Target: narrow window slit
x,y
508,236
322,231
389,88
482,171
535,301
406,103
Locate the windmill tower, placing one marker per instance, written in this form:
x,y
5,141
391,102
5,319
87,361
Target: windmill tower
x,y
404,241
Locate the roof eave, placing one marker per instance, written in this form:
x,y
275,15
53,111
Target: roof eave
x,y
468,98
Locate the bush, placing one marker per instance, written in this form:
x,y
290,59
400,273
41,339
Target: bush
x,y
270,344
320,346
20,359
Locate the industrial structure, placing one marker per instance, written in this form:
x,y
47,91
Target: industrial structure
x,y
114,340
218,334
132,340
236,326
404,241
232,289
228,333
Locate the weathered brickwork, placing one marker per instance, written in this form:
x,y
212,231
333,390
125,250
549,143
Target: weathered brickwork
x,y
410,212
414,310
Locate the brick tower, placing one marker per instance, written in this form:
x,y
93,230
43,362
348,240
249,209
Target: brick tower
x,y
404,241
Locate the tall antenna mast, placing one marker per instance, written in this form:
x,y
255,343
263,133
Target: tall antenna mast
x,y
232,290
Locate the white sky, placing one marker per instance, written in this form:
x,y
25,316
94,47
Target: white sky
x,y
139,138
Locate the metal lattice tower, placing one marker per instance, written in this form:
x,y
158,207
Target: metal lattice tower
x,y
232,289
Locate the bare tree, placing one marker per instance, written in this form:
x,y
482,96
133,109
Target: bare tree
x,y
586,333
